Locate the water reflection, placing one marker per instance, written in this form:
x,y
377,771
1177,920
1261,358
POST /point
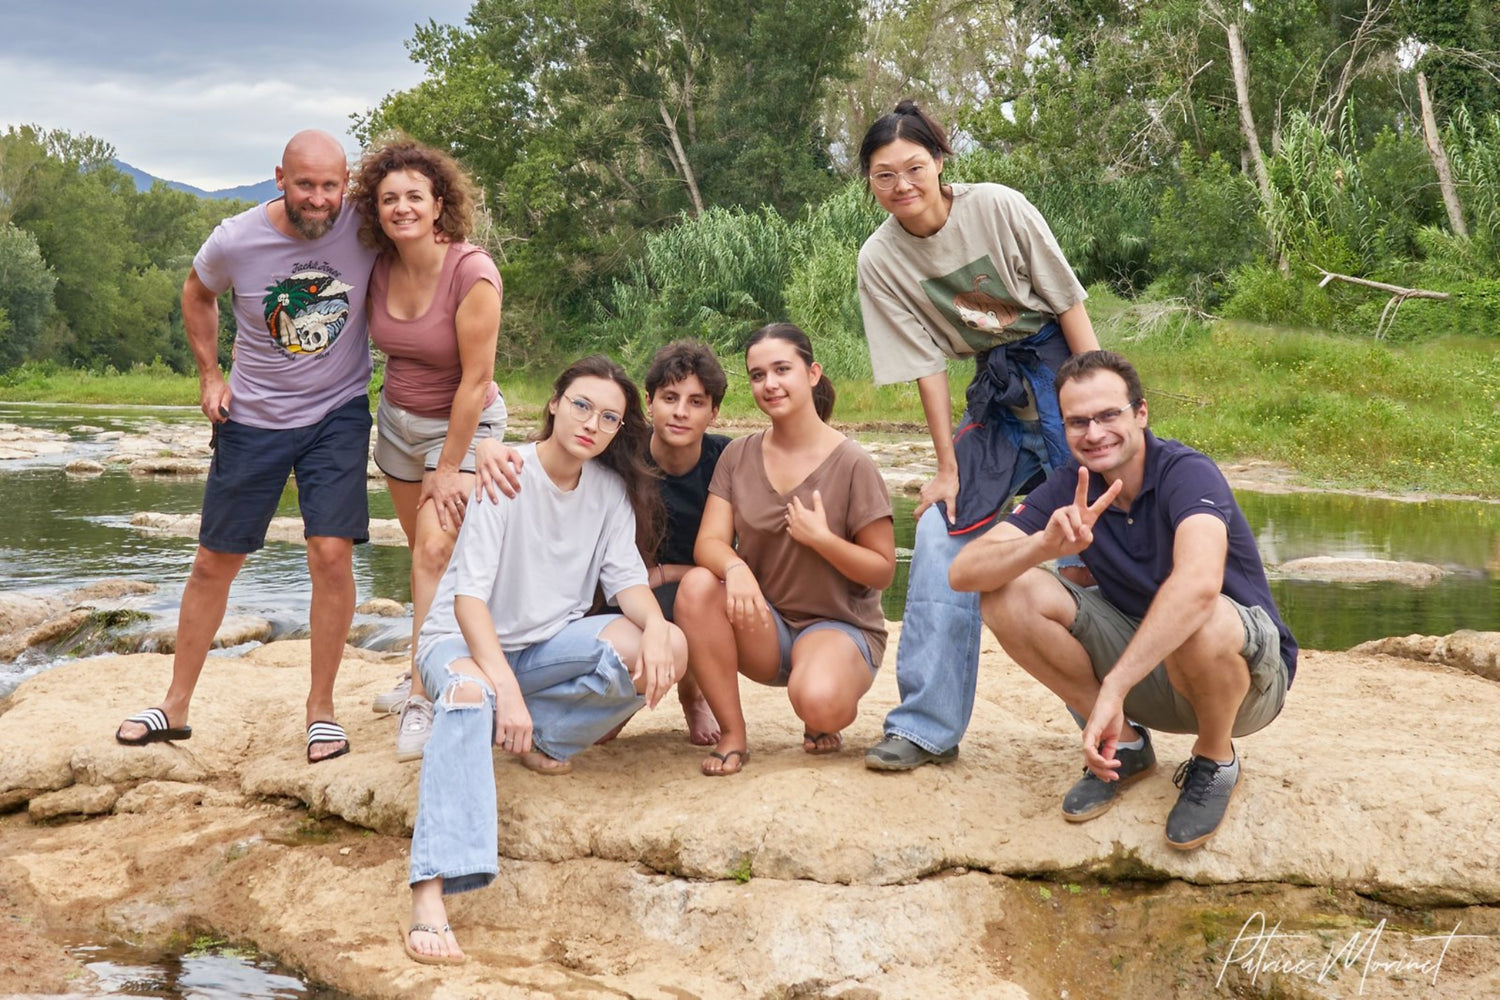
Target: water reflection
x,y
214,973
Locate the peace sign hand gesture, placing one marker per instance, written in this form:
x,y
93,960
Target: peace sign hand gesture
x,y
1070,529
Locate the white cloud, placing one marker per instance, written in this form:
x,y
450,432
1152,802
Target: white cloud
x,y
204,93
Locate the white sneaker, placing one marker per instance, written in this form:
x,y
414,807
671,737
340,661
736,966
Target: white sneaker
x,y
393,700
415,728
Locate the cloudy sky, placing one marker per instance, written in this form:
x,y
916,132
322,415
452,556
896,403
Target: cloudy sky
x,y
205,91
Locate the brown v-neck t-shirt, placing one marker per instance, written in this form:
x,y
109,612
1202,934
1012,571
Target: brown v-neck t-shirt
x,y
800,584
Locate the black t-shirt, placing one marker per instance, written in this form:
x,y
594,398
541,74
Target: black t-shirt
x,y
684,497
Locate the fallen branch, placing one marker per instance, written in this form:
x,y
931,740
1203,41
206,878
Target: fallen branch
x,y
1398,296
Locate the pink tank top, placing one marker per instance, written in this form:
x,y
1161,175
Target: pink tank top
x,y
423,369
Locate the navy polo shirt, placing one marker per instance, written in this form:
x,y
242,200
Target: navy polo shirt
x,y
1131,555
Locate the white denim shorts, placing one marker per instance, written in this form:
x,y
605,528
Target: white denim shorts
x,y
407,445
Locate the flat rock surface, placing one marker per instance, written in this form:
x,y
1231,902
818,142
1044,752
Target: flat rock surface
x,y
1338,569
806,875
1476,652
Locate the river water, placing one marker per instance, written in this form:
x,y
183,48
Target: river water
x,y
61,531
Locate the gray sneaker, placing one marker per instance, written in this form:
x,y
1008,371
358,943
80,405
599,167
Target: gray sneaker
x,y
1207,786
897,753
393,700
1090,797
415,729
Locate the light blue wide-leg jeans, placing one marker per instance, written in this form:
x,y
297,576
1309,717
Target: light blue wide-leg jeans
x,y
456,835
576,689
937,658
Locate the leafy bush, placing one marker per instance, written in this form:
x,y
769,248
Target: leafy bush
x,y
1204,228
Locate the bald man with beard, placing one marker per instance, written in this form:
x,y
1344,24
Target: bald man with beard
x,y
295,401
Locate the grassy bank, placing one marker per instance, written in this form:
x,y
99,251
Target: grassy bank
x,y
1341,411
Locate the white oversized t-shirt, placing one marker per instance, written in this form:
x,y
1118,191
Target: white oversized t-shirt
x,y
535,559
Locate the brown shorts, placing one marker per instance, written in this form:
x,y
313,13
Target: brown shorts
x,y
1104,631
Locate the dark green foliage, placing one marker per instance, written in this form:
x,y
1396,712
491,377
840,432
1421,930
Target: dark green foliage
x,y
116,258
26,284
1204,228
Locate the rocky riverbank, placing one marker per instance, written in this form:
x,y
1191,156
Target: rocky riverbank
x,y
1363,826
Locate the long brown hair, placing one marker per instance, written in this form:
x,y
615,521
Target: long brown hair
x,y
626,454
823,393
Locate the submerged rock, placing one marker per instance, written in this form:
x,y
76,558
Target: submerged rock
x,y
235,630
168,467
1336,569
383,531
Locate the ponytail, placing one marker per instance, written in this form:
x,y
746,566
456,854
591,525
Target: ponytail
x,y
823,397
823,393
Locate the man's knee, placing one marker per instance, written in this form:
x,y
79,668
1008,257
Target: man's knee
x,y
1214,649
1031,599
330,558
215,567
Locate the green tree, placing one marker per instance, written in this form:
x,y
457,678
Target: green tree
x,y
590,121
26,285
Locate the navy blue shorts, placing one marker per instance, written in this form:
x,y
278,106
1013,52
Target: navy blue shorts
x,y
249,469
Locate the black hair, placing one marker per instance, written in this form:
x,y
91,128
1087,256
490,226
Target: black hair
x,y
823,392
907,122
681,358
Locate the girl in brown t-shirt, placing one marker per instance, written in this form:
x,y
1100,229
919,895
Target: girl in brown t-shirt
x,y
795,546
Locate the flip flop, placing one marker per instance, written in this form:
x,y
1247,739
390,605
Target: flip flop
x,y
158,729
723,758
808,736
417,956
319,733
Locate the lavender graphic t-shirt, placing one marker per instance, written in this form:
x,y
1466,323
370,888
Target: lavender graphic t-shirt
x,y
301,347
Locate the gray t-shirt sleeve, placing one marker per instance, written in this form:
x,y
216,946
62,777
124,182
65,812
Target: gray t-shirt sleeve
x,y
210,264
621,565
901,347
1052,279
476,554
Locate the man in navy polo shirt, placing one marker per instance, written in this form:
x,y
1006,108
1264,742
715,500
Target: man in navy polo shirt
x,y
1181,634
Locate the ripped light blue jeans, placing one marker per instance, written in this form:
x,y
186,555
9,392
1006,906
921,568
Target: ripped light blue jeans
x,y
937,659
576,688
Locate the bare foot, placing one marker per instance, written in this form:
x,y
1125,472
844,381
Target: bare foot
x,y
703,728
821,743
535,760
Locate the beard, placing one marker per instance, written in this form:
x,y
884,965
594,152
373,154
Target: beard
x,y
312,229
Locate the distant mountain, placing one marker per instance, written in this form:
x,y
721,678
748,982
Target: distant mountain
x,y
264,191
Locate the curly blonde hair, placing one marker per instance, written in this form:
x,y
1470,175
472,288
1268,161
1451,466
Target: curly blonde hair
x,y
449,184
